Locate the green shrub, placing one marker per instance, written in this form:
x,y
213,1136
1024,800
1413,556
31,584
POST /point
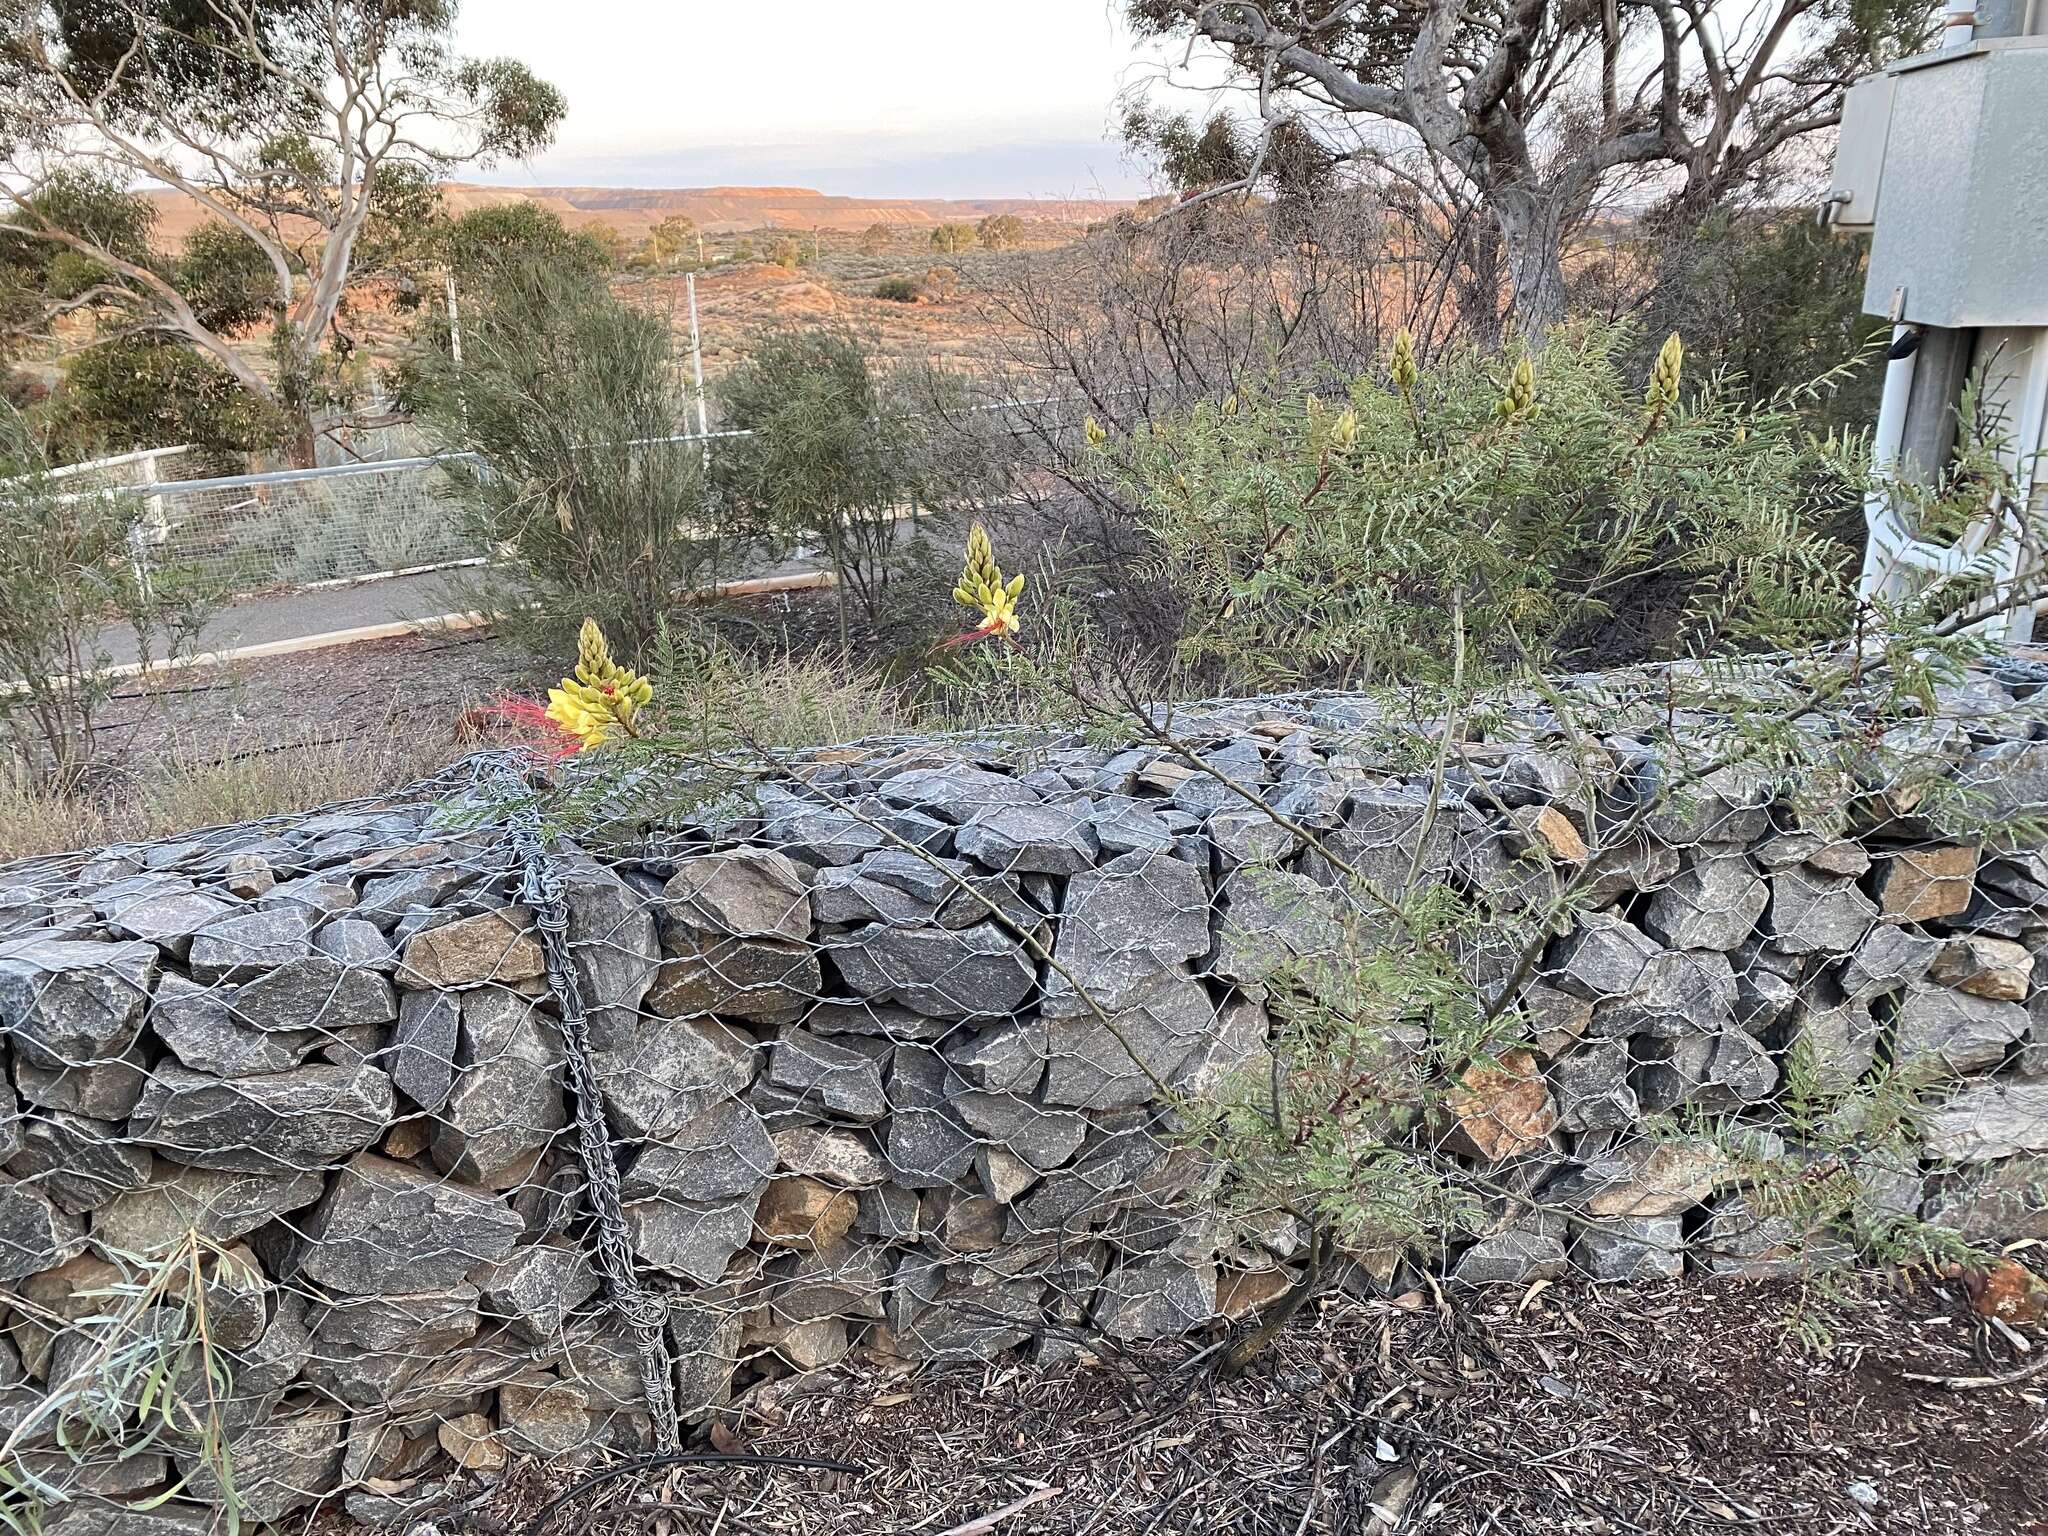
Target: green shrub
x,y
1531,503
899,290
829,458
571,400
70,571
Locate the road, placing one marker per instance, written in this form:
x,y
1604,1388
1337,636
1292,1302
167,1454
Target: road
x,y
308,618
284,617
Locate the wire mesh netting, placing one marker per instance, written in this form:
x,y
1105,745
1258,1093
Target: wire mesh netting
x,y
294,528
351,1155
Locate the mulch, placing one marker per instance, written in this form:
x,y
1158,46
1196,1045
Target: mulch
x,y
1701,1406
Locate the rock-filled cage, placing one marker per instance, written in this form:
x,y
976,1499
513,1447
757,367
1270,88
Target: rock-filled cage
x,y
396,1140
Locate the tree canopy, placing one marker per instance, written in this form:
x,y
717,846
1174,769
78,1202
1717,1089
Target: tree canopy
x,y
311,134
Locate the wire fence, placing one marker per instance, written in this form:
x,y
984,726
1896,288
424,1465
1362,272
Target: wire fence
x,y
360,1152
298,528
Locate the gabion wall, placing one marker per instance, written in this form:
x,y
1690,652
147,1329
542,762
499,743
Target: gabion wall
x,y
848,1110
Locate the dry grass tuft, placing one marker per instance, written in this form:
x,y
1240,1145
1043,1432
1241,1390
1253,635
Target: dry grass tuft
x,y
191,783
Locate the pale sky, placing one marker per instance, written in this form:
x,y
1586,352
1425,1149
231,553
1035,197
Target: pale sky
x,y
916,98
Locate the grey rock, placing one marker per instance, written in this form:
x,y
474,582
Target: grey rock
x,y
973,972
1630,1249
1955,1031
536,1288
747,893
1068,1202
832,1080
890,1212
423,1046
877,1021
1122,924
705,1340
613,940
357,943
412,1321
167,915
1160,1296
71,1003
1641,864
219,1204
389,898
1395,837
1711,903
1043,1136
1812,913
687,1238
820,835
105,1090
1591,1088
1248,836
1890,957
320,894
2001,1202
279,1466
34,1234
1603,957
241,948
1989,1118
1513,1257
2010,778
1838,1041
205,1029
1722,1071
305,1118
956,792
1738,1239
845,1158
317,993
972,1319
1004,1058
1269,919
1045,839
662,1074
383,1227
505,1106
1097,1065
927,1143
78,1164
720,1154
1680,992
1124,825
761,980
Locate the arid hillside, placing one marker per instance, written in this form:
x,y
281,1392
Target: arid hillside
x,y
633,211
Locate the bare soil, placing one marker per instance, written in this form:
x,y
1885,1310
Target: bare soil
x,y
1686,1408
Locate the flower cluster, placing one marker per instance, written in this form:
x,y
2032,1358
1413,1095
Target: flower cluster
x,y
600,702
983,589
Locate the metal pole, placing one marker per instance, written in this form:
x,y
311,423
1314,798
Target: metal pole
x,y
697,357
454,324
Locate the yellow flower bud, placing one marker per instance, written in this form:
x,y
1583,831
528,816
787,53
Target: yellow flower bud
x,y
1403,364
1091,429
1662,392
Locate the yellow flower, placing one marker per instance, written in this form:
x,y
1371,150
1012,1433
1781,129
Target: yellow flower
x,y
1662,392
983,589
601,700
1092,430
1520,399
1403,366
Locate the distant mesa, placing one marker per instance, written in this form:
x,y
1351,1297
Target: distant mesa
x,y
633,211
